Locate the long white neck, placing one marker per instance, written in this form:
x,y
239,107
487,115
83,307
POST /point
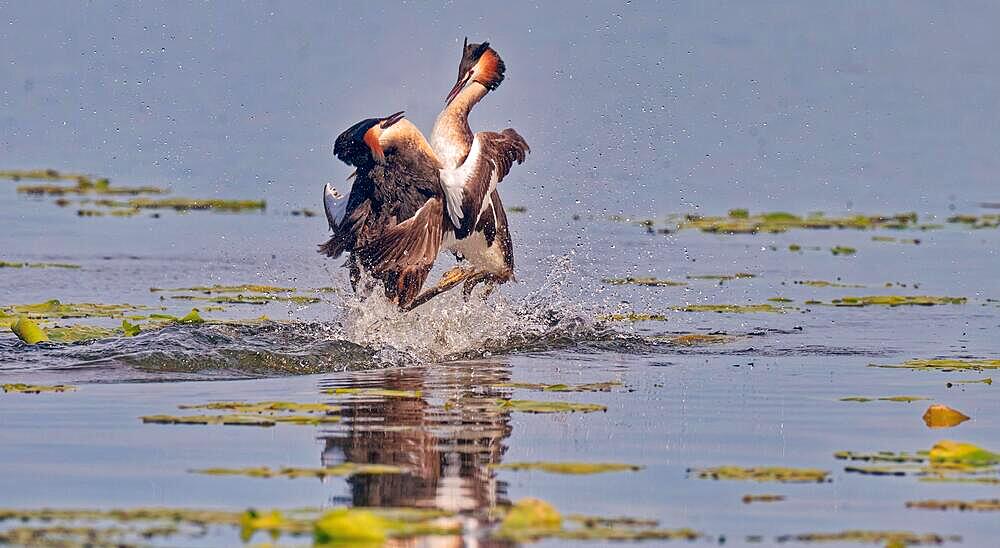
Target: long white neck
x,y
451,137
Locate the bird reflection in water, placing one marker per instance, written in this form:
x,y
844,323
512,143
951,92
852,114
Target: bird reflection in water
x,y
446,449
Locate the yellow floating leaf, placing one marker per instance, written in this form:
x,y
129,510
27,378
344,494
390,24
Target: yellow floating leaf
x,y
28,331
942,416
947,451
349,525
530,517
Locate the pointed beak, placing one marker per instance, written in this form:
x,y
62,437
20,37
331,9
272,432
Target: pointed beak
x,y
458,87
391,119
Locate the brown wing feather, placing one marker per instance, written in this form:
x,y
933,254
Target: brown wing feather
x,y
404,254
498,153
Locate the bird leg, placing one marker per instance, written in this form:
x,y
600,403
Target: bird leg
x,y
448,280
476,279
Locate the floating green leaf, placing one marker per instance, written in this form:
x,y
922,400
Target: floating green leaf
x,y
350,525
632,317
981,505
266,407
843,250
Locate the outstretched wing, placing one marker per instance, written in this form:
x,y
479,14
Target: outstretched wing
x,y
403,255
467,187
335,205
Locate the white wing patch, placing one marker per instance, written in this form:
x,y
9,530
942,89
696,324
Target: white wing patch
x,y
455,180
335,205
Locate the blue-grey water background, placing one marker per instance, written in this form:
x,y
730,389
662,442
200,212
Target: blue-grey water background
x,y
637,108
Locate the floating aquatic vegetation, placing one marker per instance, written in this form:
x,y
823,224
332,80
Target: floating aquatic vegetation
x,y
190,204
730,308
942,416
85,185
890,239
902,399
987,381
249,299
530,518
890,539
947,364
240,420
20,388
192,317
977,221
762,474
374,392
304,212
780,300
748,499
243,288
860,399
266,407
632,317
54,309
130,329
338,526
722,277
79,332
897,300
587,387
824,283
343,469
967,454
648,281
700,339
28,331
533,519
981,505
843,250
573,468
881,456
350,525
517,209
38,175
950,479
7,264
745,223
531,406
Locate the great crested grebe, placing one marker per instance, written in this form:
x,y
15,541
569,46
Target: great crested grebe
x,y
396,178
472,166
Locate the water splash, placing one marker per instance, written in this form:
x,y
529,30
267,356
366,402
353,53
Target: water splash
x,y
367,332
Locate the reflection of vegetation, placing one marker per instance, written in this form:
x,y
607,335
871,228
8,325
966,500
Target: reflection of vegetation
x,y
763,473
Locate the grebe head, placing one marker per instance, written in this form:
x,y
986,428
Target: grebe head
x,y
360,145
480,63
